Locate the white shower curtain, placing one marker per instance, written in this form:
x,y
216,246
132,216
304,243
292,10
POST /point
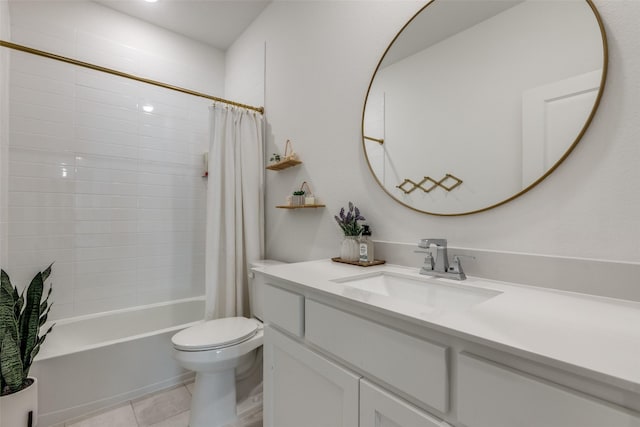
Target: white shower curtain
x,y
235,206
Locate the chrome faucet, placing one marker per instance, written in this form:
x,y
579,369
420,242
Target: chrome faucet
x,y
440,266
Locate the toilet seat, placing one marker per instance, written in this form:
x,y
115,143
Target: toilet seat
x,y
216,334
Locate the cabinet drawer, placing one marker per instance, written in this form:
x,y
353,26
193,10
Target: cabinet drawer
x,y
412,365
284,309
493,396
379,408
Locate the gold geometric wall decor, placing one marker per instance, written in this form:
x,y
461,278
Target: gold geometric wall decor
x,y
432,184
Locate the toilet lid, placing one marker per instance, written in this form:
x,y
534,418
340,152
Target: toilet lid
x,y
215,334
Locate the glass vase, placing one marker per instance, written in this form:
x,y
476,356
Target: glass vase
x,y
350,248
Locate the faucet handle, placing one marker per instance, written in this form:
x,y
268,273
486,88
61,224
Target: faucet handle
x,y
428,261
456,266
425,243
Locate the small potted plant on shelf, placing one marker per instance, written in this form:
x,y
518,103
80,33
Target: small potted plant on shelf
x,y
348,222
274,158
298,198
22,315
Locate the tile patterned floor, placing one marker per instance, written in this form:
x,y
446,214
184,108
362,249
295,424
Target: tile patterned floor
x,y
168,408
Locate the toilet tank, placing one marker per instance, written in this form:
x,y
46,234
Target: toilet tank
x,y
256,286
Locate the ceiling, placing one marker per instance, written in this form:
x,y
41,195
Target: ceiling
x,y
217,23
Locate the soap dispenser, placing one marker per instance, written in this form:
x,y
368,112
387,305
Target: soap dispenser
x,y
366,245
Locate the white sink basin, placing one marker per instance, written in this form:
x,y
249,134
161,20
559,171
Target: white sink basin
x,y
425,291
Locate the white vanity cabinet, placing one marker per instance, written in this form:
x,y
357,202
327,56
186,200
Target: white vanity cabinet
x,y
304,389
332,363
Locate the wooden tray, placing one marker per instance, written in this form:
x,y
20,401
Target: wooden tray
x,y
359,263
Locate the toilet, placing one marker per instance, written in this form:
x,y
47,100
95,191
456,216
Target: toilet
x,y
214,350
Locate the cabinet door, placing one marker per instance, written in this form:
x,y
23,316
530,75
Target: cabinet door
x,y
379,408
303,389
490,395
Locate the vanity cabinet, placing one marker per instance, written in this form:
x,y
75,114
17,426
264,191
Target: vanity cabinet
x,y
331,363
304,389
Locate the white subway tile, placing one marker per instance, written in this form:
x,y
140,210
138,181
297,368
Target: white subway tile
x,y
105,201
39,83
103,122
105,253
123,278
109,136
98,214
98,240
35,170
102,266
40,146
40,199
102,305
40,243
106,175
37,97
89,161
43,113
109,98
20,228
102,149
29,155
100,293
40,127
113,188
26,66
18,183
40,257
40,214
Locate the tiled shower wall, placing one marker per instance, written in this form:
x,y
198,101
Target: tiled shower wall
x,y
112,193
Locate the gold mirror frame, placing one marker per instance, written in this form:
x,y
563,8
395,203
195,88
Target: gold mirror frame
x,y
605,61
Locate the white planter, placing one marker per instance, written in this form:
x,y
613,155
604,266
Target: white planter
x,y
15,408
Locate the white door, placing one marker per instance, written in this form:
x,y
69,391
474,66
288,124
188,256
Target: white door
x,y
379,408
303,389
553,116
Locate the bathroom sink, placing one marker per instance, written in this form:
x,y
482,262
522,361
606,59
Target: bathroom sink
x,y
426,291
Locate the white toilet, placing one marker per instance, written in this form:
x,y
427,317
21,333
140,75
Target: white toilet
x,y
214,349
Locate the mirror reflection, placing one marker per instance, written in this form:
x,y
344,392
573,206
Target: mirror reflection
x,y
476,101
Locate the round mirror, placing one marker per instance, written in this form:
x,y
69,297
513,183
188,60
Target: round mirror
x,y
477,101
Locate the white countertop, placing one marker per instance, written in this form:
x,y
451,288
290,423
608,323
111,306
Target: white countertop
x,y
586,334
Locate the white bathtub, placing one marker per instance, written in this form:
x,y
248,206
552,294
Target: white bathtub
x,y
92,362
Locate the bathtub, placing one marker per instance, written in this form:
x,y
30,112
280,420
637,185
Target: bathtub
x,y
96,361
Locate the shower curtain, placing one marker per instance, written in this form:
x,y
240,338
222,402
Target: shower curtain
x,y
235,206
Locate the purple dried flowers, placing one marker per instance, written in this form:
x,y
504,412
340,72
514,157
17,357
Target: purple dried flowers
x,y
349,222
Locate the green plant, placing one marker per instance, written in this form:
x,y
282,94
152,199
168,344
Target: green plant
x,y
21,317
298,193
275,157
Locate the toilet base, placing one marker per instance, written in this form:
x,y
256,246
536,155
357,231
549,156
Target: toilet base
x,y
213,403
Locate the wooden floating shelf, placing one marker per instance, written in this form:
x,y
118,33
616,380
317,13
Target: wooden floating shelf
x,y
300,207
359,263
284,164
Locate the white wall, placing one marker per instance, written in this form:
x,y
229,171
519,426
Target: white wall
x,y
320,57
112,194
4,128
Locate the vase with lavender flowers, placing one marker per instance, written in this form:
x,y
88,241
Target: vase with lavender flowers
x,y
348,222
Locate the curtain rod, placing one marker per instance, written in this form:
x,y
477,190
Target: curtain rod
x,y
33,51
